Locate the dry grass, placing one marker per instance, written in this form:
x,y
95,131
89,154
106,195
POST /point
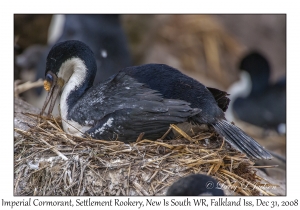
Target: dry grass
x,y
197,45
49,161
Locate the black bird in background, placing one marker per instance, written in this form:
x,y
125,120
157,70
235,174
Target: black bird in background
x,y
195,185
265,105
145,98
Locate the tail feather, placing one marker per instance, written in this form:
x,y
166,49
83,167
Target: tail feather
x,y
241,141
244,141
231,137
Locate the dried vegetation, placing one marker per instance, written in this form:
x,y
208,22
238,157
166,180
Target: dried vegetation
x,y
49,161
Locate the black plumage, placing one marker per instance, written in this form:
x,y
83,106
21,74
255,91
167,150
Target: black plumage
x,y
133,107
195,185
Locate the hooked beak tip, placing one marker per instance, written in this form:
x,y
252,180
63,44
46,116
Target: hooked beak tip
x,y
47,85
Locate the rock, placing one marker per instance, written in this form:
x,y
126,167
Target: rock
x,y
21,121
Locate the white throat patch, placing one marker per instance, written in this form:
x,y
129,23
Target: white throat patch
x,y
73,71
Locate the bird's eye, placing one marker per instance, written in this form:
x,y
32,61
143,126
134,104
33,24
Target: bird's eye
x,y
49,78
48,82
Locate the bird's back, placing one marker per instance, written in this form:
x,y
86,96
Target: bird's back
x,y
172,84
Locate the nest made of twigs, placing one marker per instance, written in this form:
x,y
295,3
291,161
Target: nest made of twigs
x,y
49,161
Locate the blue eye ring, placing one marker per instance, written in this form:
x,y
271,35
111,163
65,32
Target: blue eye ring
x,y
49,77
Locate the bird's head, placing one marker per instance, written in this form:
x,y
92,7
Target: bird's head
x,y
64,60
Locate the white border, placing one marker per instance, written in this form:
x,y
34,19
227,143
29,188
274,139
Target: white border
x,y
150,7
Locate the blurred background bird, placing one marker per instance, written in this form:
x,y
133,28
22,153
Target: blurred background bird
x,y
260,102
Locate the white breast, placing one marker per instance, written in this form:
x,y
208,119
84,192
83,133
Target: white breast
x,y
74,128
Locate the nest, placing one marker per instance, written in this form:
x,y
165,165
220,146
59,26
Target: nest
x,y
48,161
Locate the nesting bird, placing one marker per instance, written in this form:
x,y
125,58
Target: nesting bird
x,y
195,185
137,99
